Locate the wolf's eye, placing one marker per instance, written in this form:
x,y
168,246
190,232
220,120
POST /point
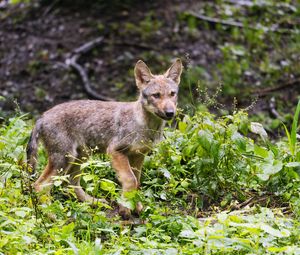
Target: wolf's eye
x,y
173,93
156,95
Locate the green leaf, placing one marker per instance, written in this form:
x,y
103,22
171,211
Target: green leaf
x,y
205,139
182,126
88,177
258,129
126,203
171,251
260,151
21,213
274,232
269,169
292,164
277,249
108,185
57,183
176,159
187,234
239,140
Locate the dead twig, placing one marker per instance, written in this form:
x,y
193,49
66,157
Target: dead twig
x,y
286,85
272,109
216,20
257,201
241,2
72,62
244,204
249,202
88,46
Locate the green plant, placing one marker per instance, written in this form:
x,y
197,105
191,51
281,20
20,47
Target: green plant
x,y
292,136
207,164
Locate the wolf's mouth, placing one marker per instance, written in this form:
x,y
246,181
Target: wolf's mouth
x,y
162,116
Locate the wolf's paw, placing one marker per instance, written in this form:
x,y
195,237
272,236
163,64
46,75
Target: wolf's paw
x,y
124,212
139,208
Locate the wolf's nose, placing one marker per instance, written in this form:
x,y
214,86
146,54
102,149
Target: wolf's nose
x,y
169,114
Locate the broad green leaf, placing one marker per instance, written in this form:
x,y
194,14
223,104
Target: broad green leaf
x,y
187,234
292,164
258,129
126,203
182,126
108,185
171,251
277,249
21,213
205,139
260,151
57,183
88,177
239,140
275,232
269,169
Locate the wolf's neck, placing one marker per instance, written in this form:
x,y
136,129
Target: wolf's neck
x,y
150,120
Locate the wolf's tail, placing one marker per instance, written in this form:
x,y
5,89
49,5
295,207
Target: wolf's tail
x,y
32,147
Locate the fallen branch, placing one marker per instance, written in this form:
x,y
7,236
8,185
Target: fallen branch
x,y
256,201
241,2
249,202
244,204
72,62
88,46
286,85
216,20
238,24
141,46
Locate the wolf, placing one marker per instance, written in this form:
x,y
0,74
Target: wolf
x,y
124,130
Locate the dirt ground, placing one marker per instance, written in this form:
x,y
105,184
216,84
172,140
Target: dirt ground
x,y
36,40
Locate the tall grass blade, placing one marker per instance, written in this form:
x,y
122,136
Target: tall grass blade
x,y
288,136
294,129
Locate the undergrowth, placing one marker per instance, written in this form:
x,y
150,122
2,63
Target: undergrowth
x,y
213,186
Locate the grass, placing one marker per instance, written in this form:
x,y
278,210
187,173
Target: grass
x,y
208,188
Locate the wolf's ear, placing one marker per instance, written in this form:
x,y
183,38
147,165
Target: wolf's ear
x,y
142,74
174,72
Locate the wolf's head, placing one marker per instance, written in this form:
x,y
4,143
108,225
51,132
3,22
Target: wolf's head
x,y
159,92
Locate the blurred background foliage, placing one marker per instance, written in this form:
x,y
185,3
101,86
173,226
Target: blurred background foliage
x,y
248,50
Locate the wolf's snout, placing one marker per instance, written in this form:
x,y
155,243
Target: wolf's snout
x,y
170,113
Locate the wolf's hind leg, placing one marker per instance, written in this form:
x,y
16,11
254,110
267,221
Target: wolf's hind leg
x,y
44,181
75,175
56,161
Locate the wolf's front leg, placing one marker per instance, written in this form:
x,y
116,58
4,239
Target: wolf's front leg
x,y
126,177
136,162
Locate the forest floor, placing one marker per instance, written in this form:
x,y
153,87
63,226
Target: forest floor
x,y
38,39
